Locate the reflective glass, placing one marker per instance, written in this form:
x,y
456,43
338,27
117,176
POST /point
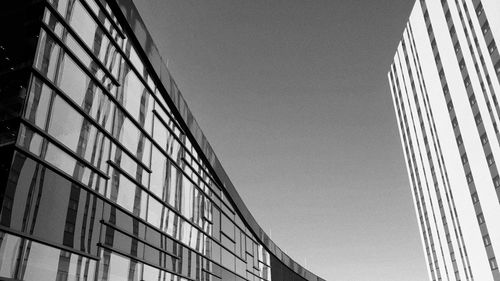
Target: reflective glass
x,y
216,252
9,253
47,56
227,226
75,47
77,85
155,212
135,98
79,135
159,175
187,198
119,268
94,37
127,194
60,213
228,260
174,187
227,243
30,140
38,103
240,267
171,223
130,136
129,165
43,263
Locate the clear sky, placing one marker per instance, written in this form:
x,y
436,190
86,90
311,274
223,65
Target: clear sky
x,y
294,99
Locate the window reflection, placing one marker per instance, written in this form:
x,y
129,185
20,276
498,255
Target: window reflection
x,y
38,103
40,262
117,267
57,213
9,254
126,194
131,137
175,189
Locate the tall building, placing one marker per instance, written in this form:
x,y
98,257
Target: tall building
x,y
445,87
104,172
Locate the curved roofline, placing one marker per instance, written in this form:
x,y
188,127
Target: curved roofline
x,y
154,61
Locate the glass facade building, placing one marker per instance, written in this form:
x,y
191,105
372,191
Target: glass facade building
x,y
104,172
445,88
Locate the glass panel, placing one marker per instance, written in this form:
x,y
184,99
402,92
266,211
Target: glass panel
x,y
227,226
30,140
94,37
135,98
127,194
159,174
187,198
47,56
240,267
130,136
174,186
151,273
65,131
227,243
228,260
82,55
155,212
216,223
38,103
79,135
117,267
216,252
46,263
9,254
129,165
59,213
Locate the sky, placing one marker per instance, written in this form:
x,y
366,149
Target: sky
x,y
293,97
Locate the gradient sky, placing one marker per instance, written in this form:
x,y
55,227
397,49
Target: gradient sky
x,y
294,99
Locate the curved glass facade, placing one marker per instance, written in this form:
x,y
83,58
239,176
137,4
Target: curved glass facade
x,y
105,174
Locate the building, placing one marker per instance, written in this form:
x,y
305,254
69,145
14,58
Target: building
x,y
445,87
104,172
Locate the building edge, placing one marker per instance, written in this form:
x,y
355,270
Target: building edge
x,y
132,21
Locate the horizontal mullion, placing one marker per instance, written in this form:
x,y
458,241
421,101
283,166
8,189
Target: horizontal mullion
x,y
184,160
207,173
170,115
126,174
172,208
227,236
207,220
79,40
90,190
142,261
211,273
119,229
47,243
201,178
64,148
172,161
115,205
80,64
155,112
110,18
110,96
99,195
118,47
100,24
178,166
75,106
163,203
254,273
